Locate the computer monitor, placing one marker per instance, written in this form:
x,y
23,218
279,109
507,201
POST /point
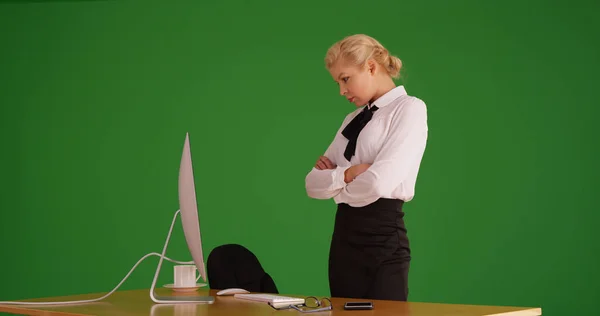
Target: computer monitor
x,y
188,210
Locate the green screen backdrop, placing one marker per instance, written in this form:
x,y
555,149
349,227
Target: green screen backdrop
x,y
97,96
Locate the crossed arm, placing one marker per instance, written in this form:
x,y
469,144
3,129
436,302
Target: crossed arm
x,y
365,183
349,174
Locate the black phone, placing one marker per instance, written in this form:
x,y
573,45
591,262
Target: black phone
x,y
358,305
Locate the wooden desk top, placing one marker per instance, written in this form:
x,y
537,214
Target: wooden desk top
x,y
138,302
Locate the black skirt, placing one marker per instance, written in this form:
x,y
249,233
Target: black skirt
x,y
369,255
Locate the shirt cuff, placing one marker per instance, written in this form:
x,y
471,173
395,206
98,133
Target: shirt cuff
x,y
338,177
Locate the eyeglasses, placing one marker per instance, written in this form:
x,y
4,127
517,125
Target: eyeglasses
x,y
311,305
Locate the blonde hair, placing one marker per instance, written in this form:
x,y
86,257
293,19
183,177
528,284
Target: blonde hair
x,y
358,49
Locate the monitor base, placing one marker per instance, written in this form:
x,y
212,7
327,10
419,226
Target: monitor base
x,y
164,299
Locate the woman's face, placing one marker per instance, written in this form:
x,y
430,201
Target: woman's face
x,y
357,84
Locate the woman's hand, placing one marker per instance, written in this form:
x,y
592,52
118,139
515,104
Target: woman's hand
x,y
324,163
354,171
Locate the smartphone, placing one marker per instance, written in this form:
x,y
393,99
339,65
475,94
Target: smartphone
x,y
358,305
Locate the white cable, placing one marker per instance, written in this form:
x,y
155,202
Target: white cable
x,y
107,295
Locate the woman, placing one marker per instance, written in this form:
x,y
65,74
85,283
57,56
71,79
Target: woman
x,y
370,170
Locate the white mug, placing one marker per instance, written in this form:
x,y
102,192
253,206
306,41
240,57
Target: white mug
x,y
185,275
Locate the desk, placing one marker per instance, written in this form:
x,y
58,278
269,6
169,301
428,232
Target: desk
x,y
138,302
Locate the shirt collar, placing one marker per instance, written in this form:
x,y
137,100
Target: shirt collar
x,y
389,96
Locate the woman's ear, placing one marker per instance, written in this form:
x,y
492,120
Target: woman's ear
x,y
371,67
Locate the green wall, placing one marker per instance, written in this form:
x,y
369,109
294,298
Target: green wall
x,y
97,96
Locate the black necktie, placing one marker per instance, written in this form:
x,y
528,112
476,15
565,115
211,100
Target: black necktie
x,y
354,127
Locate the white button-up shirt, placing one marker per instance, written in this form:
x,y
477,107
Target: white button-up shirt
x,y
393,142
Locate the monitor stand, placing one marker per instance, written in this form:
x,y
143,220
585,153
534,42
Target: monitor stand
x,y
179,298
